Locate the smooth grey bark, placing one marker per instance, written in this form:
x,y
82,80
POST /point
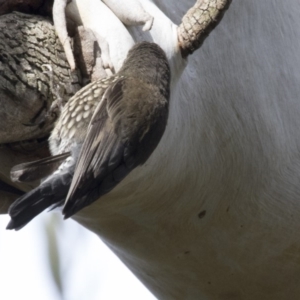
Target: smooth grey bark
x,y
27,43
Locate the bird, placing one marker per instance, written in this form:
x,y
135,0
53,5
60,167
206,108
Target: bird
x,y
106,130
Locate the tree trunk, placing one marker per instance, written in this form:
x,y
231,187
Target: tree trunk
x,y
28,47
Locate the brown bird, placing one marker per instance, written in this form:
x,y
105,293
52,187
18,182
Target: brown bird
x,y
106,130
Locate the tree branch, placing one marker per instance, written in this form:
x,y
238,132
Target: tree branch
x,y
198,23
26,44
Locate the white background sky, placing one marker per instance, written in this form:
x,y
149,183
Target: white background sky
x,y
90,270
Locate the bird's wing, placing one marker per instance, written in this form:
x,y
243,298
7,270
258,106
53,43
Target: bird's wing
x,y
115,144
35,170
100,154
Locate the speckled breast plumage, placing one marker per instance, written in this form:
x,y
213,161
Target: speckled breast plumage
x,y
73,122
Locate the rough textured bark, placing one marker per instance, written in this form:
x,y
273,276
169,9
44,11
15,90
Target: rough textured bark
x,y
26,92
199,22
26,44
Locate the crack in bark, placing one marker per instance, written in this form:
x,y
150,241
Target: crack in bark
x,y
26,43
198,23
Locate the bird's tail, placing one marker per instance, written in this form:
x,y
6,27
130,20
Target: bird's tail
x,y
51,192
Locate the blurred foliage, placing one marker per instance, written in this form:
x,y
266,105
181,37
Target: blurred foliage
x,y
55,257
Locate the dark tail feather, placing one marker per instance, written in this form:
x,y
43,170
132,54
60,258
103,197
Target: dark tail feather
x,y
35,170
51,192
20,217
